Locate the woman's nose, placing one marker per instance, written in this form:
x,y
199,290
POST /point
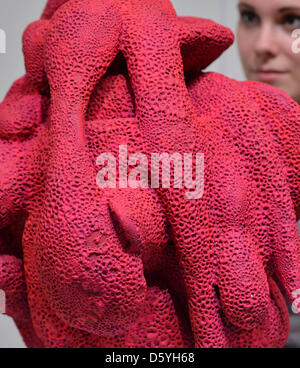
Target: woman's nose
x,y
266,42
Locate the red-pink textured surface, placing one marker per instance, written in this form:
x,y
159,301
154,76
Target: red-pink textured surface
x,y
85,267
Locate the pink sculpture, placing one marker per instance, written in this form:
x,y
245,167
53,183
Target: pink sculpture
x,y
85,267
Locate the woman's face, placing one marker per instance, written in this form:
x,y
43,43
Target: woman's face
x,y
265,43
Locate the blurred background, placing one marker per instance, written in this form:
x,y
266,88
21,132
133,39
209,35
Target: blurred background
x,y
15,15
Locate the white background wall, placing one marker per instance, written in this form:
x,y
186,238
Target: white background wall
x,y
15,15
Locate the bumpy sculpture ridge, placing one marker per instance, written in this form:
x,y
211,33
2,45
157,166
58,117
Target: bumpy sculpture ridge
x,y
84,267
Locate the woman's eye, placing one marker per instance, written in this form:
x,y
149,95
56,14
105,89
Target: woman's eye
x,y
292,21
248,17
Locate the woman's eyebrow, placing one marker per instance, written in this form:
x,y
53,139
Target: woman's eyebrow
x,y
245,5
289,8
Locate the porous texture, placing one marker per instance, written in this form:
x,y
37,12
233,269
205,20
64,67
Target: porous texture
x,y
90,267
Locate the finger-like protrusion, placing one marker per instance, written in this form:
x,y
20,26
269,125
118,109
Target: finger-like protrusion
x,y
283,251
284,126
204,309
34,38
202,41
105,289
150,43
271,333
242,281
82,42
